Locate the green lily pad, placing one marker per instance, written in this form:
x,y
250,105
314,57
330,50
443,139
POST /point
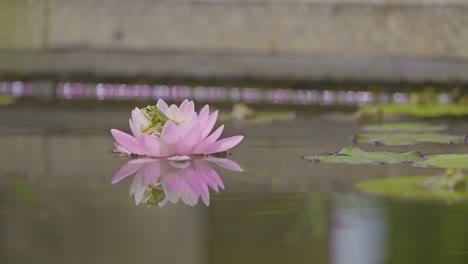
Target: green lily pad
x,y
447,161
411,188
401,139
404,127
418,110
6,100
244,114
260,118
354,155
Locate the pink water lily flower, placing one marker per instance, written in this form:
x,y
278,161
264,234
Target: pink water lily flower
x,y
158,181
178,132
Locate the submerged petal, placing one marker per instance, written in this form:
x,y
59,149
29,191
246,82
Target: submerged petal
x,y
179,158
225,163
126,170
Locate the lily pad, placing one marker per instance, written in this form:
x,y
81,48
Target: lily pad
x,y
411,188
6,100
403,127
354,155
246,115
260,118
447,161
401,139
418,110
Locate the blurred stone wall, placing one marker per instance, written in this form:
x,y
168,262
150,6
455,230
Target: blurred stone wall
x,y
292,40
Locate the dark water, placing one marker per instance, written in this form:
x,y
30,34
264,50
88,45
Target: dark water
x,y
58,204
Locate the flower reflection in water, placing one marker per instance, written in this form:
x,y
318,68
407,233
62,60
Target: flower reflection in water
x,y
158,181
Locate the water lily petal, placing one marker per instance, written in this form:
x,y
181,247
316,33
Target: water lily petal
x,y
192,137
203,116
162,106
151,172
187,110
129,144
173,113
170,132
125,171
203,146
152,145
139,119
210,123
179,158
224,144
135,130
225,163
210,176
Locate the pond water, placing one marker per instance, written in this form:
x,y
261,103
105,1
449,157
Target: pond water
x,y
58,204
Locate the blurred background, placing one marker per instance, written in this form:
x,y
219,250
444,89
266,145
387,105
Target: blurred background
x,y
268,41
295,77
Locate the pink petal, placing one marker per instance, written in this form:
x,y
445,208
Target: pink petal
x,y
210,176
151,172
152,145
193,136
139,119
225,163
183,104
173,112
187,107
135,130
170,133
179,158
224,144
214,181
210,124
201,148
203,116
126,170
196,180
128,142
161,105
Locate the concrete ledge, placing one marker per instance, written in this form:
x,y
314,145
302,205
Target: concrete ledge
x,y
226,67
294,40
420,29
23,24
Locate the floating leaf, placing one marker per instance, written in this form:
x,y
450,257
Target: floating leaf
x,y
270,117
400,139
354,155
447,161
411,188
261,118
243,113
418,110
404,127
6,100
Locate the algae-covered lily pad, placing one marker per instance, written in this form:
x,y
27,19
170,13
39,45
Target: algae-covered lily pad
x,y
403,127
418,110
411,188
401,139
447,161
354,155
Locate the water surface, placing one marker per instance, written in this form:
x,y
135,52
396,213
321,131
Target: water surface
x,y
58,204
